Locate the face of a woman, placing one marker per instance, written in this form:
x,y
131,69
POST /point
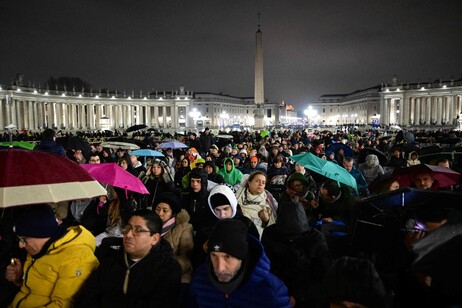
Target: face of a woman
x,y
257,185
164,211
184,163
156,170
124,164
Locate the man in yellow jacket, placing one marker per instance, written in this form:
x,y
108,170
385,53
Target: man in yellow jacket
x,y
59,260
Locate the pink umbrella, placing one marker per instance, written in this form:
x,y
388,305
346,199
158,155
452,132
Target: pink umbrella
x,y
31,177
444,176
113,174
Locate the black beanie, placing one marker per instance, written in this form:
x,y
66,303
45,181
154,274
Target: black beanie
x,y
37,221
171,199
196,173
218,200
229,236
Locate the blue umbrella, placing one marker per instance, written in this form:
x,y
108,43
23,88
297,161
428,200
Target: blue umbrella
x,y
172,145
146,152
325,168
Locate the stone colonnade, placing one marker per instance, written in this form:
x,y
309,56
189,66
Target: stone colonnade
x,y
442,109
37,111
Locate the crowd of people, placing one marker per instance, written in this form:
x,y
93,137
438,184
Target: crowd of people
x,y
230,221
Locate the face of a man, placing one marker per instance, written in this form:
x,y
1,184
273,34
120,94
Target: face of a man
x,y
139,245
196,184
31,244
225,266
95,160
423,181
223,211
348,165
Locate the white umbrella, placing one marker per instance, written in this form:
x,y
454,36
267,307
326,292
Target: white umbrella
x,y
119,144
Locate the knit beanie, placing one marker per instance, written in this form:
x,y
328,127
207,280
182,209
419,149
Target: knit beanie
x,y
37,221
172,200
229,236
218,200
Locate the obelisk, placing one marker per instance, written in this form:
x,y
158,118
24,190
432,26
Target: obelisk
x,y
259,97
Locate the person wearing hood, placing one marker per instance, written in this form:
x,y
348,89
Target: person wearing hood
x,y
237,272
371,168
413,159
212,174
230,174
183,170
298,253
157,179
298,191
238,162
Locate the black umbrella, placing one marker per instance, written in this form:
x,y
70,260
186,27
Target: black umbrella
x,y
135,128
438,256
382,156
75,143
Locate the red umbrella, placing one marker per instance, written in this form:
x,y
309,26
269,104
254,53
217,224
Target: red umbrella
x,y
113,174
444,176
31,177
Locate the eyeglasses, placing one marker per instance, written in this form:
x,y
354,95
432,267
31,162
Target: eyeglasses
x,y
136,230
22,240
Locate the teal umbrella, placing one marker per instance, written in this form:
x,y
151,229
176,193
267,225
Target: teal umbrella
x,y
326,168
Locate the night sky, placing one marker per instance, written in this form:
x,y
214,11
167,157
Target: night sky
x,y
311,47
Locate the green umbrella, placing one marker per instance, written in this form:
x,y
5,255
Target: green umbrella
x,y
19,144
265,133
326,168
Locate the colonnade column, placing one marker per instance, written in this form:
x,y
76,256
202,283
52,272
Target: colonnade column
x,y
156,116
30,115
174,116
164,116
148,116
417,111
439,118
428,109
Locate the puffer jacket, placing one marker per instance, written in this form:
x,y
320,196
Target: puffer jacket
x,y
260,288
53,279
181,240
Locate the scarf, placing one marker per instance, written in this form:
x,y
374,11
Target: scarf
x,y
168,225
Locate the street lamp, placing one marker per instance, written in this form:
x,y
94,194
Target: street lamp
x,y
224,115
194,114
311,114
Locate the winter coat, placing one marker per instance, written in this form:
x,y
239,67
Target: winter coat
x,y
50,146
155,186
413,162
298,254
54,278
153,282
260,288
233,177
181,240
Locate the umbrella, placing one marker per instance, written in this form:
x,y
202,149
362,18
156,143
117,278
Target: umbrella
x,y
146,152
119,144
136,127
113,174
75,143
334,147
395,127
264,133
444,176
438,255
225,136
19,144
172,145
383,157
325,168
31,177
